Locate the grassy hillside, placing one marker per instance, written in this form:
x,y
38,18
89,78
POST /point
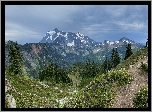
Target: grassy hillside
x,y
135,57
30,93
103,91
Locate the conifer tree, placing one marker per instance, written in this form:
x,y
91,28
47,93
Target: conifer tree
x,y
115,58
51,72
146,43
15,59
128,51
106,65
90,69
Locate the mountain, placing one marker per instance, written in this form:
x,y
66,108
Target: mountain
x,y
65,49
67,38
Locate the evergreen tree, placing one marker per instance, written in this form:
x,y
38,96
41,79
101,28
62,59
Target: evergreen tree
x,y
90,70
106,65
115,58
146,43
128,51
15,59
51,72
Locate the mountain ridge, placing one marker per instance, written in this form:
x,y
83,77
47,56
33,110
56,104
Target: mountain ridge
x,y
65,53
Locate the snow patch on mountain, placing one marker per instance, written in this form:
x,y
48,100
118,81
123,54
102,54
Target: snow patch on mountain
x,y
116,41
51,32
71,44
96,50
78,35
111,43
108,42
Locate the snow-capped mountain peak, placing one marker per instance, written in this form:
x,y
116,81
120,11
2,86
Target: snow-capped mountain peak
x,y
67,38
56,30
124,39
114,44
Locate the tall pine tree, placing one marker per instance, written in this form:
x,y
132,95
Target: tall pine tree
x,y
51,73
90,70
128,51
115,58
15,59
146,43
106,65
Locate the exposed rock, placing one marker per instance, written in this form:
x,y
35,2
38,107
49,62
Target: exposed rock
x,y
131,66
36,50
11,101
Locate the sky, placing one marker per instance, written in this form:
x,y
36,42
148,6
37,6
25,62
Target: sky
x,y
29,23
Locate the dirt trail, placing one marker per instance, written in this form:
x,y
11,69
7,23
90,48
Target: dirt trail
x,y
127,93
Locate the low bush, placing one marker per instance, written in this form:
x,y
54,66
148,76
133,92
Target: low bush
x,y
141,98
122,77
144,67
97,95
84,82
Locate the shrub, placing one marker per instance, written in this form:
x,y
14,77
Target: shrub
x,y
144,67
84,82
122,77
141,98
6,103
97,95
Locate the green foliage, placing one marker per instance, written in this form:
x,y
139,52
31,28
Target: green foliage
x,y
28,100
144,67
96,95
100,92
90,70
122,77
29,93
15,59
84,82
139,54
37,64
141,98
52,73
128,51
6,102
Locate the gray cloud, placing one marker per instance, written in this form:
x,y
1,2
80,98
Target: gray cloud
x,y
28,23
